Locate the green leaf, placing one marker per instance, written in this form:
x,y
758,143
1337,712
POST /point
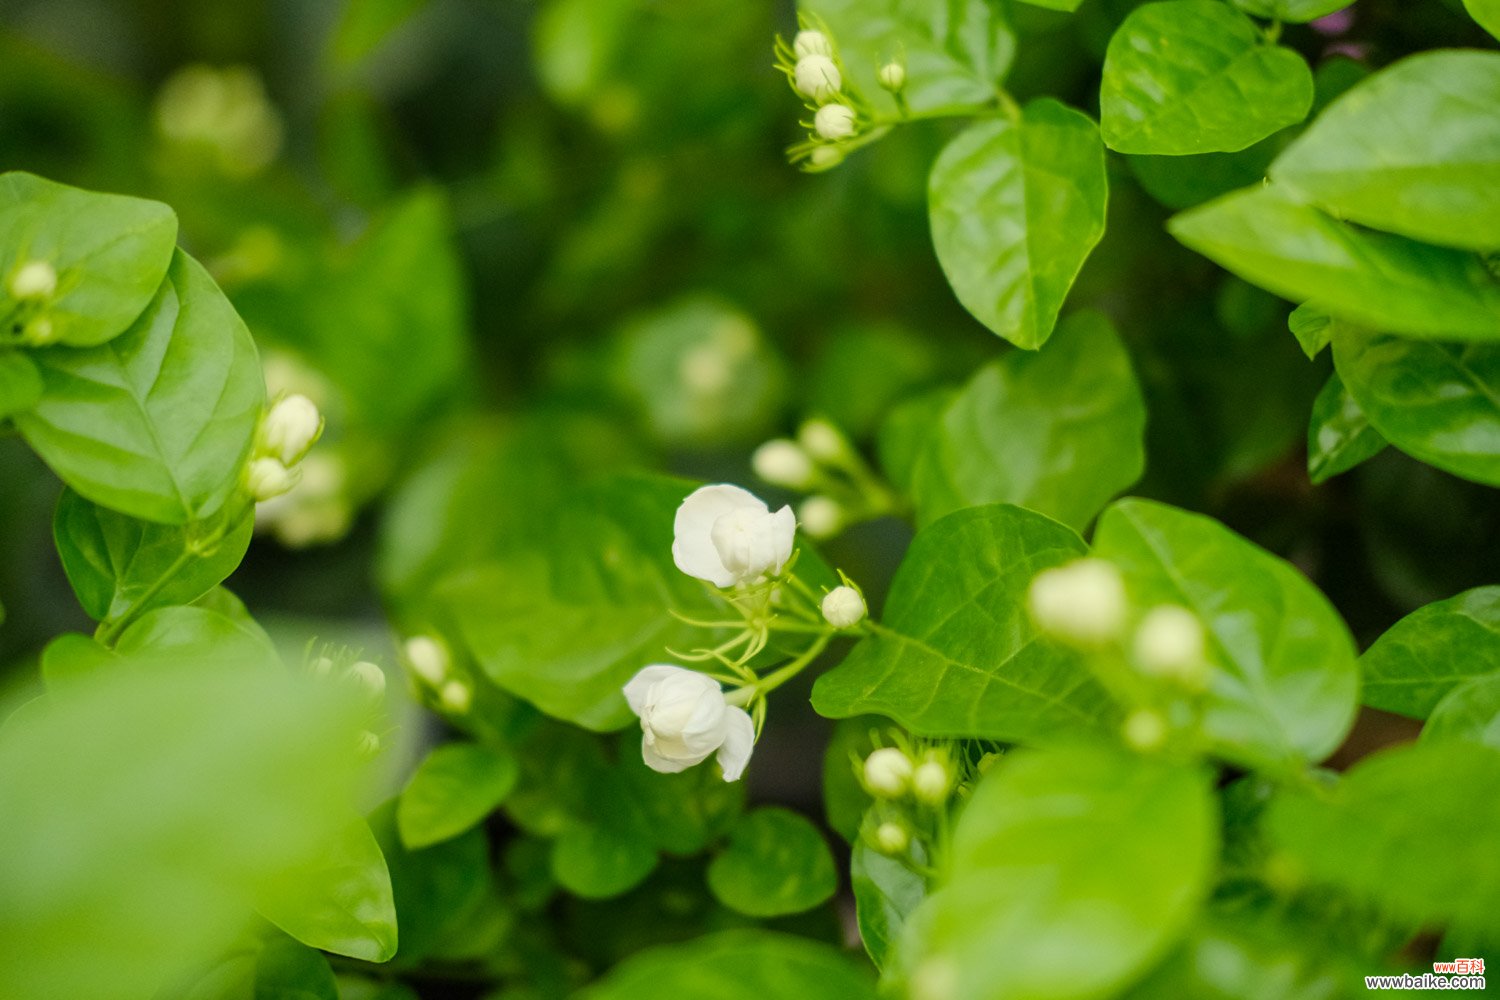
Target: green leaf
x,y
736,965
1016,208
1029,881
342,902
20,383
1059,432
198,637
679,813
1431,651
1486,13
1413,149
289,970
157,422
1437,402
885,894
1470,712
1312,327
1197,76
598,863
1339,435
1294,11
1285,683
457,786
116,562
1067,6
439,891
1264,235
364,27
957,654
956,53
776,863
110,253
1181,182
844,797
1359,839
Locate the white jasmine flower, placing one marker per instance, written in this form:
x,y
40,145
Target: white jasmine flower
x,y
843,607
428,658
783,463
811,43
820,516
268,478
727,535
1169,643
834,121
817,77
892,76
888,773
1082,602
685,719
891,838
290,428
35,279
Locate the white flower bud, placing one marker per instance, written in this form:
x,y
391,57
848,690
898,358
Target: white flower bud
x,y
782,463
892,76
932,781
811,43
1144,730
35,279
843,607
268,478
40,331
887,773
428,658
825,157
817,77
891,838
455,697
820,516
369,744
1169,643
685,719
1082,602
834,121
726,535
289,429
823,441
322,667
368,676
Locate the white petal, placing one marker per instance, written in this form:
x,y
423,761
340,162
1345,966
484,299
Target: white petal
x,y
739,740
638,686
784,525
665,765
692,546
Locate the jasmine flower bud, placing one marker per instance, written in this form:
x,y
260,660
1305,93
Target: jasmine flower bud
x,y
1169,642
368,676
290,428
811,43
369,744
1145,730
726,535
821,517
887,773
843,607
455,697
322,667
782,463
892,76
823,441
685,719
818,77
40,331
428,658
834,121
35,279
825,157
932,781
1082,602
268,478
891,838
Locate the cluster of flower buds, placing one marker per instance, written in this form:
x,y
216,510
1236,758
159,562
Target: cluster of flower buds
x,y
823,462
31,287
432,667
286,433
897,777
840,120
365,679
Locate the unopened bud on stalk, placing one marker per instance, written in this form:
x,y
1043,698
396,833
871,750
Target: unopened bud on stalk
x,y
843,607
820,516
887,773
267,478
782,463
1169,643
428,658
823,441
817,77
811,43
322,667
834,121
932,781
369,744
368,676
40,331
35,279
825,157
892,76
892,838
456,697
1145,730
1082,602
290,429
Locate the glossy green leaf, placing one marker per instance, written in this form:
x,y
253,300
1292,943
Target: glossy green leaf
x,y
1294,11
1359,838
439,890
955,53
1413,149
736,965
1197,76
1312,327
110,253
1387,282
598,863
1436,402
1339,435
1431,651
885,894
289,970
776,863
1060,431
1470,712
1083,851
679,813
157,422
844,797
1063,5
1181,182
1486,13
198,637
341,902
455,787
956,654
20,383
1285,684
116,562
1016,208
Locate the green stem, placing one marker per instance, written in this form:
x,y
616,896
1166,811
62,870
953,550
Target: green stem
x,y
109,630
774,680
